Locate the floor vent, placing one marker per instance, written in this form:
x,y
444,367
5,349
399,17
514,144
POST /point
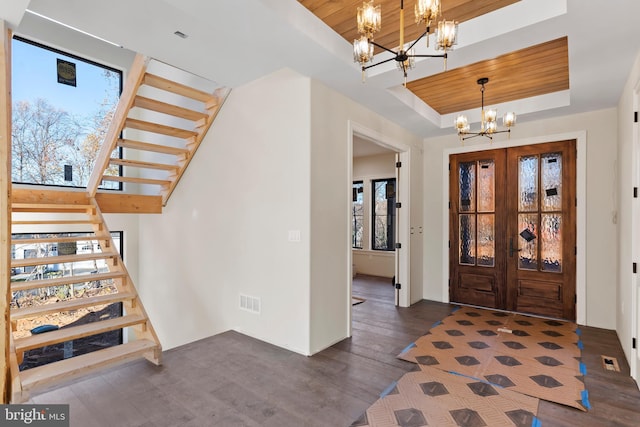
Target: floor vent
x,y
249,303
610,364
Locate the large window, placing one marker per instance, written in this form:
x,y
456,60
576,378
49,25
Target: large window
x,y
26,246
62,108
357,207
383,214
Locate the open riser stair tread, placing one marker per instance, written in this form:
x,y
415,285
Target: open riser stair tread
x,y
155,148
136,180
68,239
71,304
77,332
169,109
159,128
70,368
55,222
51,208
66,280
143,165
60,259
177,88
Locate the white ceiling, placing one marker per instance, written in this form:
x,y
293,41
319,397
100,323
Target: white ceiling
x,y
234,42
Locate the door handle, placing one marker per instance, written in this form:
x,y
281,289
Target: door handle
x,y
511,248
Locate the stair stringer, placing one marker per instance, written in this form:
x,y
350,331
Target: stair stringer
x,y
134,306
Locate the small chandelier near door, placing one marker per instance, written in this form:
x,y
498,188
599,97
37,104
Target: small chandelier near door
x,y
426,11
488,120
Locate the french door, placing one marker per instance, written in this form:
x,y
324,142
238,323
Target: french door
x,y
512,229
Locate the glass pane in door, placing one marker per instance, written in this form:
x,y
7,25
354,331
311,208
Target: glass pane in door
x,y
467,179
528,184
486,240
486,186
551,177
551,242
467,243
528,241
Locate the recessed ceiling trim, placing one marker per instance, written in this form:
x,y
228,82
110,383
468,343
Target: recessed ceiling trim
x,y
522,106
418,105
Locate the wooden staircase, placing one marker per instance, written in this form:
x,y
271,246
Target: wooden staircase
x,y
159,124
162,117
31,225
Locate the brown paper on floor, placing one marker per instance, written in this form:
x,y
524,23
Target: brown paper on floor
x,y
535,356
436,398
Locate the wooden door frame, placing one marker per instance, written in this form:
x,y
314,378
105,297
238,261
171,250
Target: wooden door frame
x,y
581,208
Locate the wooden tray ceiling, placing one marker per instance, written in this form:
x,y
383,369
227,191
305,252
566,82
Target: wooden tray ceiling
x,y
528,72
536,70
340,15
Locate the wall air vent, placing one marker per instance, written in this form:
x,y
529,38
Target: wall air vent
x,y
249,303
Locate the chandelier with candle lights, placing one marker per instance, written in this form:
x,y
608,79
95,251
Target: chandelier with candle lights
x,y
426,11
488,120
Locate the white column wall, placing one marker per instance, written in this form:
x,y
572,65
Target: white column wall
x,y
331,113
225,229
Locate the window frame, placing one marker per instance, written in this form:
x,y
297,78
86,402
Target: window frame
x,y
353,214
120,186
390,214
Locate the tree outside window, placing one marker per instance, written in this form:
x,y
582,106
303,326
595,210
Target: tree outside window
x,y
59,124
384,212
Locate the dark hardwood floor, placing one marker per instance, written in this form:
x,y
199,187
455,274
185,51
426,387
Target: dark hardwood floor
x,y
234,380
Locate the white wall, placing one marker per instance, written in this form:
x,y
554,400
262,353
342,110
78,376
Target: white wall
x,y
601,246
331,198
628,226
366,169
225,229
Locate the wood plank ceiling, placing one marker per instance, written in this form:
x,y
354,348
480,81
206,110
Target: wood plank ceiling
x,y
533,71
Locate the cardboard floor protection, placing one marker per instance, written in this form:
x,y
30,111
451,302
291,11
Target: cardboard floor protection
x,y
530,355
432,397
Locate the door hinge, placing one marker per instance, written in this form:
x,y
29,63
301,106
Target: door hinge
x,y
575,299
635,267
398,205
398,164
398,245
575,250
449,204
449,244
398,286
633,343
635,117
635,192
